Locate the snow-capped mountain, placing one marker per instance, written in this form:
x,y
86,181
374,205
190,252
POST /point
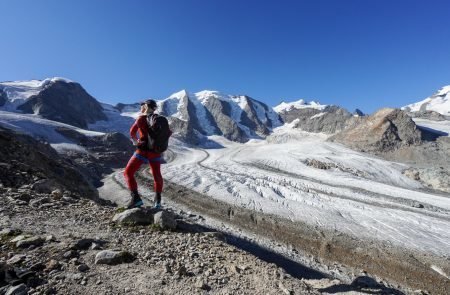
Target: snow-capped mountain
x,y
237,118
193,116
56,99
438,102
313,116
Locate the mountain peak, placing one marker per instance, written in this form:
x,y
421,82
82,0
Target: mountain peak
x,y
298,104
443,91
179,94
438,102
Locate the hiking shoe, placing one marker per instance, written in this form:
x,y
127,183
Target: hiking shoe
x,y
136,201
157,200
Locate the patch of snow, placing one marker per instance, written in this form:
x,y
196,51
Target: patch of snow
x,y
317,115
299,104
43,129
200,112
63,148
440,271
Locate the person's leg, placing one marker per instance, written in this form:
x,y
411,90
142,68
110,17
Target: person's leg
x,y
158,182
132,167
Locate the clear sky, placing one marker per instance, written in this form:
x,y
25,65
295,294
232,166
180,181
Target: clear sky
x,y
355,53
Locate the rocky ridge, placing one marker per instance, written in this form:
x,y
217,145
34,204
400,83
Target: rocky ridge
x,y
24,160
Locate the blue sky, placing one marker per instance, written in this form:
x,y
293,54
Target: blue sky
x,y
354,53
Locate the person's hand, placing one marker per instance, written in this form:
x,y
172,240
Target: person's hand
x,y
140,143
135,142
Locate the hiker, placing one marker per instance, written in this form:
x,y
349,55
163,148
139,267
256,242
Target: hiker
x,y
150,145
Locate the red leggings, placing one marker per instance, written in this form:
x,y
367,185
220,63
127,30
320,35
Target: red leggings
x,y
135,163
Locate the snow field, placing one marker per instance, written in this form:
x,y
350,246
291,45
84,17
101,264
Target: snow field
x,y
364,196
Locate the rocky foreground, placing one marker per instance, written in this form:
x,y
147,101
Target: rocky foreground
x,y
55,244
60,244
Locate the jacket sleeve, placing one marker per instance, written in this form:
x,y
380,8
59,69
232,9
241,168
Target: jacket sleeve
x,y
133,130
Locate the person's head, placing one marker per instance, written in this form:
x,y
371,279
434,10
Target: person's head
x,y
148,106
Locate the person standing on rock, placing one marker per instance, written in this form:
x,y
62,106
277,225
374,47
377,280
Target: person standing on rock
x,y
154,133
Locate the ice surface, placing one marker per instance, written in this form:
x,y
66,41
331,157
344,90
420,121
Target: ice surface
x,y
442,126
360,195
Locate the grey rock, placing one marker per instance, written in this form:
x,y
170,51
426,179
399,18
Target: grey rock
x,y
33,241
83,267
16,259
45,186
75,276
182,271
18,238
70,254
134,216
417,205
386,130
113,257
165,220
201,284
21,289
82,244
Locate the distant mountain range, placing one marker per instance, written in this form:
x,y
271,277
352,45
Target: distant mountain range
x,y
192,116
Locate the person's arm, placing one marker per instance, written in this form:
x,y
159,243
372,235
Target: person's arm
x,y
133,130
142,128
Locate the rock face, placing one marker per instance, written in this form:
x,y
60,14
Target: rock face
x,y
238,118
98,155
65,102
3,98
386,130
25,161
330,119
430,115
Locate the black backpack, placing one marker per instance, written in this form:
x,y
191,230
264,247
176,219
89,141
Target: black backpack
x,y
158,133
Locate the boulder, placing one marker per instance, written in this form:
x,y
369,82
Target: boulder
x,y
134,216
33,241
165,220
113,257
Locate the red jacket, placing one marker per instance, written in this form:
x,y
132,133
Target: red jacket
x,y
140,125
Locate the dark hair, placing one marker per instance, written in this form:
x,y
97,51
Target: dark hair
x,y
150,103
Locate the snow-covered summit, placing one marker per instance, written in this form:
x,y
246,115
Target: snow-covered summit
x,y
17,93
438,102
299,104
